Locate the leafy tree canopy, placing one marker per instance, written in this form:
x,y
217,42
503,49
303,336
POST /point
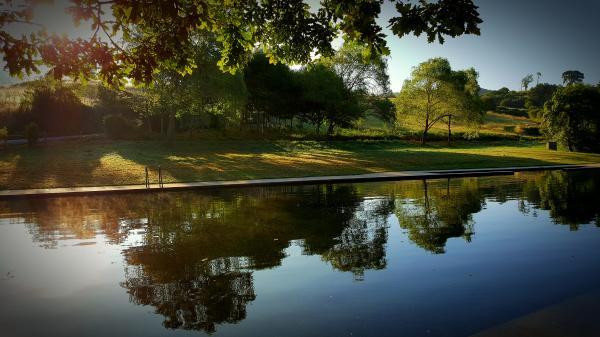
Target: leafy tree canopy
x,y
273,88
526,81
360,74
325,98
572,117
572,76
540,94
132,39
434,92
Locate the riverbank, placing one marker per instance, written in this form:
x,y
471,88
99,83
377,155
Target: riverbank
x,y
403,175
104,162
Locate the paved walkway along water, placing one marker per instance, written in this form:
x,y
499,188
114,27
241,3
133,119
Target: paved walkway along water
x,y
402,175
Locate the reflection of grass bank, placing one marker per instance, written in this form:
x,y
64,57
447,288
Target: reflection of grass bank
x,y
123,162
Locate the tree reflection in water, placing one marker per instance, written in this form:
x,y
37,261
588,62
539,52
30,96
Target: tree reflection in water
x,y
191,255
438,211
572,199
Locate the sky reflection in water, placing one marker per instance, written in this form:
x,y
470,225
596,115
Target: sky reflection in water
x,y
436,257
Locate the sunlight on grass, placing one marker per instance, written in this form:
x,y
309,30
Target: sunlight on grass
x,y
114,163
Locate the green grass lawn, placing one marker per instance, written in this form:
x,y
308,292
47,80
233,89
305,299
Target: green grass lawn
x,y
103,162
495,124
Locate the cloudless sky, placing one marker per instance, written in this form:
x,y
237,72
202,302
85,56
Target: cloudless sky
x,y
518,37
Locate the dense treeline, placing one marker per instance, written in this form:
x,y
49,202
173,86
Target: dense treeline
x,y
338,91
568,114
328,93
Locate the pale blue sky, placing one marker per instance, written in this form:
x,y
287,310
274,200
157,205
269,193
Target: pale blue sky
x,y
518,37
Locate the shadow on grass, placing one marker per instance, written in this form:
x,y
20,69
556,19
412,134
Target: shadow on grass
x,y
50,165
117,163
253,160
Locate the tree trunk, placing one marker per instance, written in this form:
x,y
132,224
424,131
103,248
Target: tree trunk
x,y
330,128
424,136
569,144
171,126
162,124
449,129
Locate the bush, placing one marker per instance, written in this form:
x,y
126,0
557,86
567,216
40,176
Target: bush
x,y
117,126
535,113
512,111
514,101
55,108
528,130
32,133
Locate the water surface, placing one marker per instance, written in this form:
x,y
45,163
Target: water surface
x,y
445,257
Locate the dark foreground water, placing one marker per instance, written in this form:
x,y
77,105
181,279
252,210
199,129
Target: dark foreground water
x,y
410,258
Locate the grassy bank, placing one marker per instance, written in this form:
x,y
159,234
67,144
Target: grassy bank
x,y
122,162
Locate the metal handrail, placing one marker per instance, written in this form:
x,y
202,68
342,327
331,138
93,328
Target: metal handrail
x,y
160,177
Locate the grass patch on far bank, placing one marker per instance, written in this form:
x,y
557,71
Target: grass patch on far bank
x,y
103,162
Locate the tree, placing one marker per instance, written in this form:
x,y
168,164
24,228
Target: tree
x,y
360,74
435,92
537,97
326,99
469,108
366,78
380,106
572,77
144,103
204,98
538,75
273,90
525,81
540,94
55,109
572,117
287,30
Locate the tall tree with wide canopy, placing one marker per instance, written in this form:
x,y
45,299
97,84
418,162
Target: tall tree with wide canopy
x,y
572,117
206,96
572,77
287,30
325,99
361,74
274,91
365,77
435,92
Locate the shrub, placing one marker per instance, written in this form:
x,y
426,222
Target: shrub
x,y
535,113
117,126
528,130
509,128
32,133
513,101
512,111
